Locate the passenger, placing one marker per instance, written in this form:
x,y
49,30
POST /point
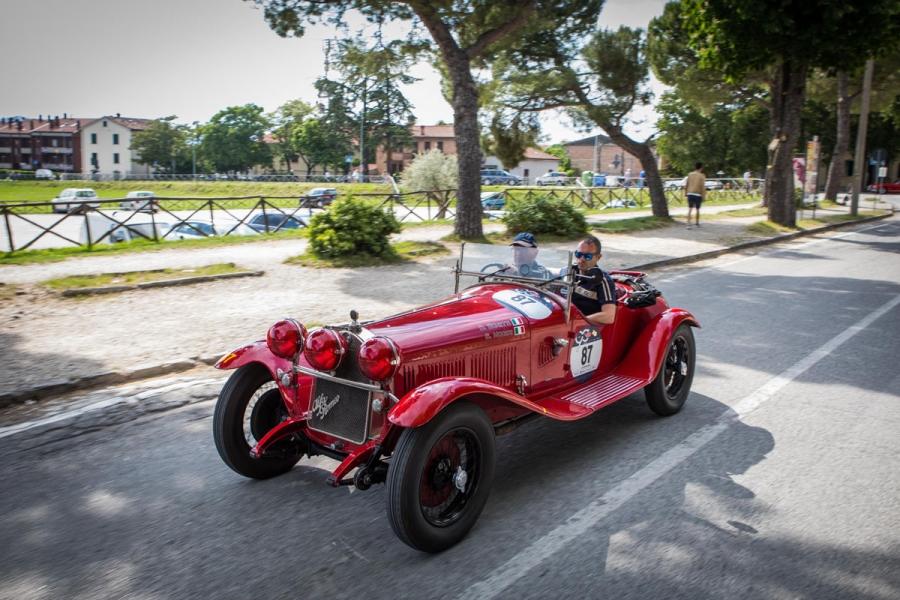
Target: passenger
x,y
525,251
595,292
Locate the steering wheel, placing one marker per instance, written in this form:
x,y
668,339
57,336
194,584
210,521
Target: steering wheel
x,y
492,267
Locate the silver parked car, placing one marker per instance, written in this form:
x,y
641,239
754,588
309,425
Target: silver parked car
x,y
141,200
72,199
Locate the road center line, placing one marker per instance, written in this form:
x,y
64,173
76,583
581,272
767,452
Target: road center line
x,y
559,538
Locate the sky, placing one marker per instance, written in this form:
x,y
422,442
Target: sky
x,y
192,58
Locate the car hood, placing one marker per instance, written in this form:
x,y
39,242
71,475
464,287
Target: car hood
x,y
481,315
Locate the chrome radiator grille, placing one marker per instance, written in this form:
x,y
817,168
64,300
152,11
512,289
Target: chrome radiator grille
x,y
341,410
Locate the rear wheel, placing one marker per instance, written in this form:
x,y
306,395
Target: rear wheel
x,y
440,478
248,407
667,393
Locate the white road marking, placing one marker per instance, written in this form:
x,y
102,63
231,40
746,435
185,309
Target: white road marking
x,y
558,539
100,404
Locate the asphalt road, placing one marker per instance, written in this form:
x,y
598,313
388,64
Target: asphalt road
x,y
779,479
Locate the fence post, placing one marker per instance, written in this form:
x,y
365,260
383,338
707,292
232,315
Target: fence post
x,y
153,225
8,230
87,226
265,219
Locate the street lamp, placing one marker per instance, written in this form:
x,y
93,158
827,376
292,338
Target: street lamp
x,y
194,152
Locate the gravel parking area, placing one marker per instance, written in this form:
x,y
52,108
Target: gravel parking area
x,y
46,338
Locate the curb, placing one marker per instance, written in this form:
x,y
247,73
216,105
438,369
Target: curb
x,y
57,388
111,289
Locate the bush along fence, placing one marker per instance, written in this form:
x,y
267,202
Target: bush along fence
x,y
88,223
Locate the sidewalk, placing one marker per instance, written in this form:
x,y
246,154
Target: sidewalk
x,y
50,344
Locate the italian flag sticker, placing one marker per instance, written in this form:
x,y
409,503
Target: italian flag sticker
x,y
518,326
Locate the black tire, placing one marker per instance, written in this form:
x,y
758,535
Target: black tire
x,y
426,507
666,394
249,406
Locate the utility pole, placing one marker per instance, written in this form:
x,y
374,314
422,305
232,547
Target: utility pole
x,y
859,156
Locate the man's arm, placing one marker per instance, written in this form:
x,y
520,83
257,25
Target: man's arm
x,y
606,315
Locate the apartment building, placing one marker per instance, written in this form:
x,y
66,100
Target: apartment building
x,y
41,143
600,154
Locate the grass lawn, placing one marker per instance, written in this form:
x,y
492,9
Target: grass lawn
x,y
770,228
403,251
632,225
135,277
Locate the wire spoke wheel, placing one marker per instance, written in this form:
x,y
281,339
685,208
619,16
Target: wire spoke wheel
x,y
449,478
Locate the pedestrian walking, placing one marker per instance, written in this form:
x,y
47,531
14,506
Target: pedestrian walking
x,y
695,188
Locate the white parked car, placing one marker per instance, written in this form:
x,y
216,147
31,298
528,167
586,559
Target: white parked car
x,y
552,178
140,200
72,199
44,174
621,203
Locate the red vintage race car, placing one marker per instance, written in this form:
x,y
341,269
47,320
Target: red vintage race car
x,y
415,400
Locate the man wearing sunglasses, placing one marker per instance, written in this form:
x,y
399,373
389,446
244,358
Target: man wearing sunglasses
x,y
595,292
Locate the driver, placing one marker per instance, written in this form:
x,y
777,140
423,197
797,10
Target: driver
x,y
595,292
525,251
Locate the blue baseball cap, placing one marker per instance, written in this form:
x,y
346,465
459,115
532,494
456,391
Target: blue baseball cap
x,y
524,239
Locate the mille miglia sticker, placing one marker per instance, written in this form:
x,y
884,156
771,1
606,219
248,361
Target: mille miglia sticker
x,y
527,302
504,328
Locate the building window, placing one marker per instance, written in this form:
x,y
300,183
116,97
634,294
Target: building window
x,y
93,138
440,146
525,173
104,123
115,138
94,160
116,158
427,146
54,142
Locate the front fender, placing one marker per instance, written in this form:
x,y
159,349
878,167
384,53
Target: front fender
x,y
421,404
649,349
295,397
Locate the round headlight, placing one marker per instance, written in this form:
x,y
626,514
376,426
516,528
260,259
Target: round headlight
x,y
324,349
378,359
285,338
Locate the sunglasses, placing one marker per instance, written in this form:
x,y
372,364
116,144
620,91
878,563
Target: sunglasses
x,y
584,255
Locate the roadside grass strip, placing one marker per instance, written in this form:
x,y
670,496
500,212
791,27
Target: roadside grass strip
x,y
559,538
400,252
114,282
632,225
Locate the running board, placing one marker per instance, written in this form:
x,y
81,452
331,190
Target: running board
x,y
589,398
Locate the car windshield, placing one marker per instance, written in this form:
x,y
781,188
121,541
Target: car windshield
x,y
84,194
517,263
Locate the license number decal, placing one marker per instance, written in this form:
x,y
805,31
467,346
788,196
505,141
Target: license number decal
x,y
585,354
528,302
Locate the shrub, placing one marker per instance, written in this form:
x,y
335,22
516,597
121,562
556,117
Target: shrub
x,y
544,214
351,227
430,171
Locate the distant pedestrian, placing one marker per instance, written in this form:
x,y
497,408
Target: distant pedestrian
x,y
695,188
747,176
641,176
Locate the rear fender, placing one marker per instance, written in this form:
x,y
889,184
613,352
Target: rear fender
x,y
649,349
421,404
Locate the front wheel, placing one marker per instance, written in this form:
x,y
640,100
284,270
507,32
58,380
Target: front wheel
x,y
440,478
666,394
248,407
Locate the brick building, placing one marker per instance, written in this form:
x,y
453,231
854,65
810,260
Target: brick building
x,y
42,143
600,154
424,138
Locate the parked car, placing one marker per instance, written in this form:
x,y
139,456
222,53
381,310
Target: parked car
x,y
44,174
885,187
498,177
319,197
141,200
493,200
72,199
552,178
199,228
712,184
277,222
415,400
621,203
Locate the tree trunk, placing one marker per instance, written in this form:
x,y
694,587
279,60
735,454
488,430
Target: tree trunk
x,y
468,150
842,141
788,91
648,162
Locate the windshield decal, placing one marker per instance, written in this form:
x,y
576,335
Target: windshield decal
x,y
528,302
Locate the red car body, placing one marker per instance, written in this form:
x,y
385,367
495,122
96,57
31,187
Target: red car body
x,y
509,347
885,187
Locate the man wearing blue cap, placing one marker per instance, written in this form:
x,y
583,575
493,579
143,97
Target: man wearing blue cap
x,y
525,253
